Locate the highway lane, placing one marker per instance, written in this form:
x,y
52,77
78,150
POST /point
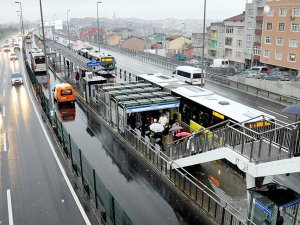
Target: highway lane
x,y
33,188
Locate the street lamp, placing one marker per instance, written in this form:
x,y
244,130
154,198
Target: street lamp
x,y
68,26
98,26
20,20
46,61
21,16
203,43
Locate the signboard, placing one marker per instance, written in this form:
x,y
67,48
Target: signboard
x,y
262,207
144,108
91,63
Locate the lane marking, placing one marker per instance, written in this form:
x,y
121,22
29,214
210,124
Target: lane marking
x,y
9,207
3,93
273,112
4,142
3,111
83,213
4,81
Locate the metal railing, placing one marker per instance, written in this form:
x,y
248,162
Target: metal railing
x,y
92,183
258,144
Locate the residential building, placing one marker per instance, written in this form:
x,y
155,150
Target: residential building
x,y
114,39
176,44
134,43
233,40
91,34
124,32
197,43
280,44
215,40
253,31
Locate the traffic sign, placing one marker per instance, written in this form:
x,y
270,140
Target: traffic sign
x,y
91,63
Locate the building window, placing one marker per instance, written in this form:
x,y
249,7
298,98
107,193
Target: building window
x,y
239,43
269,26
281,26
293,43
295,27
292,57
280,41
278,55
229,30
296,11
271,12
240,30
250,11
238,55
256,50
248,50
228,41
250,25
282,12
267,53
268,40
249,37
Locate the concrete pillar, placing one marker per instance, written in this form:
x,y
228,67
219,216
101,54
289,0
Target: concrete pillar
x,y
59,55
71,68
250,183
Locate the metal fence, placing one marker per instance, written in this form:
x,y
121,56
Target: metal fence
x,y
90,180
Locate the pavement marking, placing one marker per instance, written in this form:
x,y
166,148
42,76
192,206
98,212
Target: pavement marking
x,y
9,206
3,111
3,93
4,142
273,112
83,213
4,81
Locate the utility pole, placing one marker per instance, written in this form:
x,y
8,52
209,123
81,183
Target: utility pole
x,y
203,43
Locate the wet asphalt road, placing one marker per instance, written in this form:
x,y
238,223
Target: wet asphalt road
x,y
32,187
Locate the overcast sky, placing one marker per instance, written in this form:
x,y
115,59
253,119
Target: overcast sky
x,y
144,9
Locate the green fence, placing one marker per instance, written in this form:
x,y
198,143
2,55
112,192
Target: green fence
x,y
90,180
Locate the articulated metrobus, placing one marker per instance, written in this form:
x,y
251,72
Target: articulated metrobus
x,y
202,108
107,60
38,61
189,74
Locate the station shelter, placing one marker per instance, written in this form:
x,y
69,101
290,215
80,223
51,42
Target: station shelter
x,y
273,204
131,104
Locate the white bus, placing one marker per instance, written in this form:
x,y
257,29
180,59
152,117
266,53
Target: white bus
x,y
189,74
38,62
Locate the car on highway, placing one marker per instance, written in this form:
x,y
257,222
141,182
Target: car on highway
x,y
6,48
17,46
249,74
13,56
16,78
261,71
28,42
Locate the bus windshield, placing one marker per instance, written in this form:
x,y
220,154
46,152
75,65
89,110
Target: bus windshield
x,y
39,60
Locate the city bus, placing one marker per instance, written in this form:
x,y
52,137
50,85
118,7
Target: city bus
x,y
107,60
203,108
189,74
38,61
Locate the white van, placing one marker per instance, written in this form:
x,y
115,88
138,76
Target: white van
x,y
190,74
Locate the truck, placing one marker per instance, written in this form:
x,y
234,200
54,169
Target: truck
x,y
220,62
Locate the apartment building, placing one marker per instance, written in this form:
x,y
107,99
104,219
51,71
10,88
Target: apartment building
x,y
253,30
197,43
281,34
215,40
233,40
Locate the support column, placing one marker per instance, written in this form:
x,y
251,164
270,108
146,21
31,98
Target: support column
x,y
71,69
250,183
59,56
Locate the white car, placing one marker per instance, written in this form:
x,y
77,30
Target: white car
x,y
16,78
13,56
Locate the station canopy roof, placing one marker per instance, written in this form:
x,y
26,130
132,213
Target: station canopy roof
x,y
140,97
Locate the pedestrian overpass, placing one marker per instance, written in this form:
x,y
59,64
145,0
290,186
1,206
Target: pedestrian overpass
x,y
262,151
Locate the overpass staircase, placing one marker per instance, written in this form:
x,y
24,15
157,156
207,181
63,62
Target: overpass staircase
x,y
263,148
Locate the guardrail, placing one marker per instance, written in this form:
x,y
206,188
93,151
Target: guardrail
x,y
91,182
171,64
